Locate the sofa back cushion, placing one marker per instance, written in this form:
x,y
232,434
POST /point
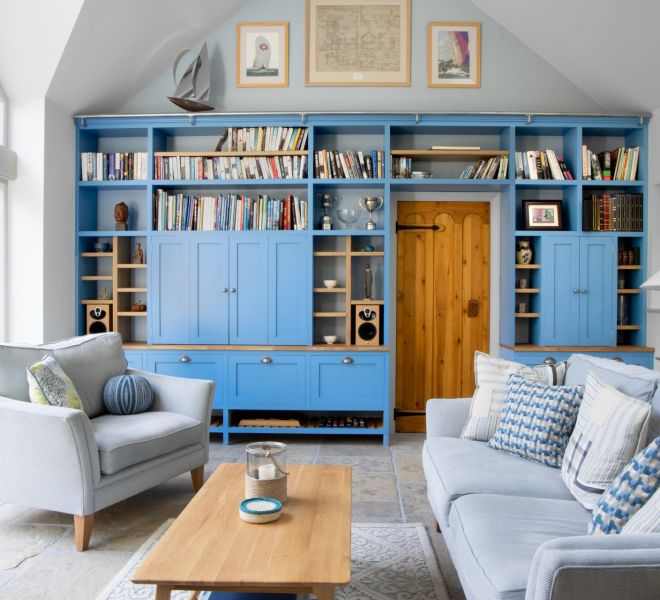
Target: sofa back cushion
x,y
88,360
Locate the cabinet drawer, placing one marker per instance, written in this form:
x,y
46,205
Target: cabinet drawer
x,y
643,359
347,381
266,379
135,359
192,365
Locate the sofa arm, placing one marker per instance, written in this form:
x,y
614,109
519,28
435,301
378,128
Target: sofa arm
x,y
49,457
445,417
608,567
192,397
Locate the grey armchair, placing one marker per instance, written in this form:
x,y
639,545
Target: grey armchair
x,y
79,462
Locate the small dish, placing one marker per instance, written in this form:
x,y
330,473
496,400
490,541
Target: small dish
x,y
260,510
330,283
330,339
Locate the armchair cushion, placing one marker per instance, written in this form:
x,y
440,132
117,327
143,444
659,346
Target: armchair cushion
x,y
126,440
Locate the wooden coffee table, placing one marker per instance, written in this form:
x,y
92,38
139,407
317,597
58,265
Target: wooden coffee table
x,y
307,550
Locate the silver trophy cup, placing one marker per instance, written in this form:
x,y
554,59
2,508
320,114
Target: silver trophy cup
x,y
326,202
371,204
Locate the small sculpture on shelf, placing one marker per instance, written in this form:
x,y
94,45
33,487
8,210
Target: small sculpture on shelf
x,y
524,253
138,306
104,295
368,282
121,216
138,254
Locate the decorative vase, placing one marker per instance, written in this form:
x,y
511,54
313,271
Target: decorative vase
x,y
524,253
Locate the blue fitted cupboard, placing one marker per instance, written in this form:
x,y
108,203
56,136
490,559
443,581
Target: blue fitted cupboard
x,y
249,309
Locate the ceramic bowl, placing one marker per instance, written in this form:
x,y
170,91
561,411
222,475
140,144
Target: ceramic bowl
x,y
330,283
330,339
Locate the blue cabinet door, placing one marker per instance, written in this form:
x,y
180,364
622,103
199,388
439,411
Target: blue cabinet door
x,y
288,290
209,271
597,291
560,291
248,283
170,296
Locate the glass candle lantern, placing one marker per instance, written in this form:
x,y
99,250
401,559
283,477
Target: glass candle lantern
x,y
265,475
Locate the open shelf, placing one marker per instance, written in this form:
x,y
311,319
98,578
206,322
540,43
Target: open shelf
x,y
530,266
527,315
247,153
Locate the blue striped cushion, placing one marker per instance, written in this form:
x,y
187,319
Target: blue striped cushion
x,y
127,395
537,420
629,492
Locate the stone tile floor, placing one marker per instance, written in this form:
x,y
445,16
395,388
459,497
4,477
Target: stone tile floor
x,y
38,559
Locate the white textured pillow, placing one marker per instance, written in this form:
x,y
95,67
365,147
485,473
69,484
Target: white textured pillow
x,y
610,429
491,376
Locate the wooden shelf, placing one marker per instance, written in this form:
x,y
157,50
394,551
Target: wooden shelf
x,y
98,301
325,290
330,314
329,253
374,253
449,154
131,290
131,313
131,266
628,291
528,291
529,315
627,327
213,153
96,278
368,301
532,348
96,254
629,267
530,266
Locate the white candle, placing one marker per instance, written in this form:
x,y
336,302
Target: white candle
x,y
267,472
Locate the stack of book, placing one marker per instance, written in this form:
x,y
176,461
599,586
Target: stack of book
x,y
613,212
263,139
402,167
489,168
230,167
111,166
619,164
541,164
228,212
352,164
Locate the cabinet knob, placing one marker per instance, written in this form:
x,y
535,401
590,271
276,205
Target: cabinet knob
x,y
576,291
266,360
347,360
232,290
549,361
184,359
584,290
224,290
618,359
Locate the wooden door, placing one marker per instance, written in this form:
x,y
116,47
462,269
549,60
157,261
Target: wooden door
x,y
443,302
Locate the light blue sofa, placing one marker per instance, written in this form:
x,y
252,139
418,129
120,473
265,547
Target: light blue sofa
x,y
513,529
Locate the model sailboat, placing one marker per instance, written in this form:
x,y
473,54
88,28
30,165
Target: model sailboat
x,y
192,90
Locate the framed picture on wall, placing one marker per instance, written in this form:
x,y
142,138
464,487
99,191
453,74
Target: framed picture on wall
x,y
454,58
358,42
543,214
262,54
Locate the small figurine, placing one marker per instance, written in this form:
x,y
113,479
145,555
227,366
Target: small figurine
x,y
138,254
121,216
104,295
368,281
368,248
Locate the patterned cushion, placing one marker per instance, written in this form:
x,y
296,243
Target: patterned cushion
x,y
49,384
127,395
629,492
610,429
647,518
537,420
491,375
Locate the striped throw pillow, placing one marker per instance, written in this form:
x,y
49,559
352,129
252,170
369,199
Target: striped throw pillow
x,y
127,395
610,429
537,420
629,493
491,376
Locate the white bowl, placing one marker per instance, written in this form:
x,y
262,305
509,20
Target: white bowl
x,y
329,283
330,339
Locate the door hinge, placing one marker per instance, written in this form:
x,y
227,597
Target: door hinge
x,y
431,227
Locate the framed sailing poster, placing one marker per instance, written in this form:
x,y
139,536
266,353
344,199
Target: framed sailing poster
x,y
454,55
358,42
262,54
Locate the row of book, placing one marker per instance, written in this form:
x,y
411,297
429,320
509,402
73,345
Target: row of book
x,y
259,139
492,168
228,212
619,164
230,167
613,212
113,166
351,164
541,164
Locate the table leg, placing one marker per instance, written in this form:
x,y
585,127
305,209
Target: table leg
x,y
162,592
325,592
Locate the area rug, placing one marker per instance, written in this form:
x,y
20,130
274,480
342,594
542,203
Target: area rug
x,y
389,562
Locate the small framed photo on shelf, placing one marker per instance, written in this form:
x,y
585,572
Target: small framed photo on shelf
x,y
358,43
543,214
454,58
262,55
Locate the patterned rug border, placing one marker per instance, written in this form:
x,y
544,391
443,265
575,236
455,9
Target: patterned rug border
x,y
422,535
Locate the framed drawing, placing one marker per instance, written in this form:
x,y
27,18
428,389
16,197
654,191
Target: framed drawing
x,y
454,58
543,214
358,42
262,54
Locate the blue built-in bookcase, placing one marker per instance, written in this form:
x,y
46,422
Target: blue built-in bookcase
x,y
250,310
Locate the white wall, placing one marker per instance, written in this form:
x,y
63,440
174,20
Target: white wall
x,y
653,324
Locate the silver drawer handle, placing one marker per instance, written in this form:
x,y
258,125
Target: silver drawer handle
x,y
347,360
576,291
550,361
584,290
266,360
224,290
184,359
232,290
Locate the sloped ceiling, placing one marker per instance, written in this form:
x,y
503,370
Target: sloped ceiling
x,y
609,48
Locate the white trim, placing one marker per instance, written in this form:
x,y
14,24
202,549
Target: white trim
x,y
4,288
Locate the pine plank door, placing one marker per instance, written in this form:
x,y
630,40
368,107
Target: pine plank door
x,y
443,302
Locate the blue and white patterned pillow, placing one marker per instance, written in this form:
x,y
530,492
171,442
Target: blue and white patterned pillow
x,y
537,420
646,519
127,395
629,492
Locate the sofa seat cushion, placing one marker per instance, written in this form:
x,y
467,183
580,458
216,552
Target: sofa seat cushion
x,y
456,467
126,440
494,538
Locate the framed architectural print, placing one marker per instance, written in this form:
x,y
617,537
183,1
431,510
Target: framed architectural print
x,y
454,58
543,214
358,42
262,54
